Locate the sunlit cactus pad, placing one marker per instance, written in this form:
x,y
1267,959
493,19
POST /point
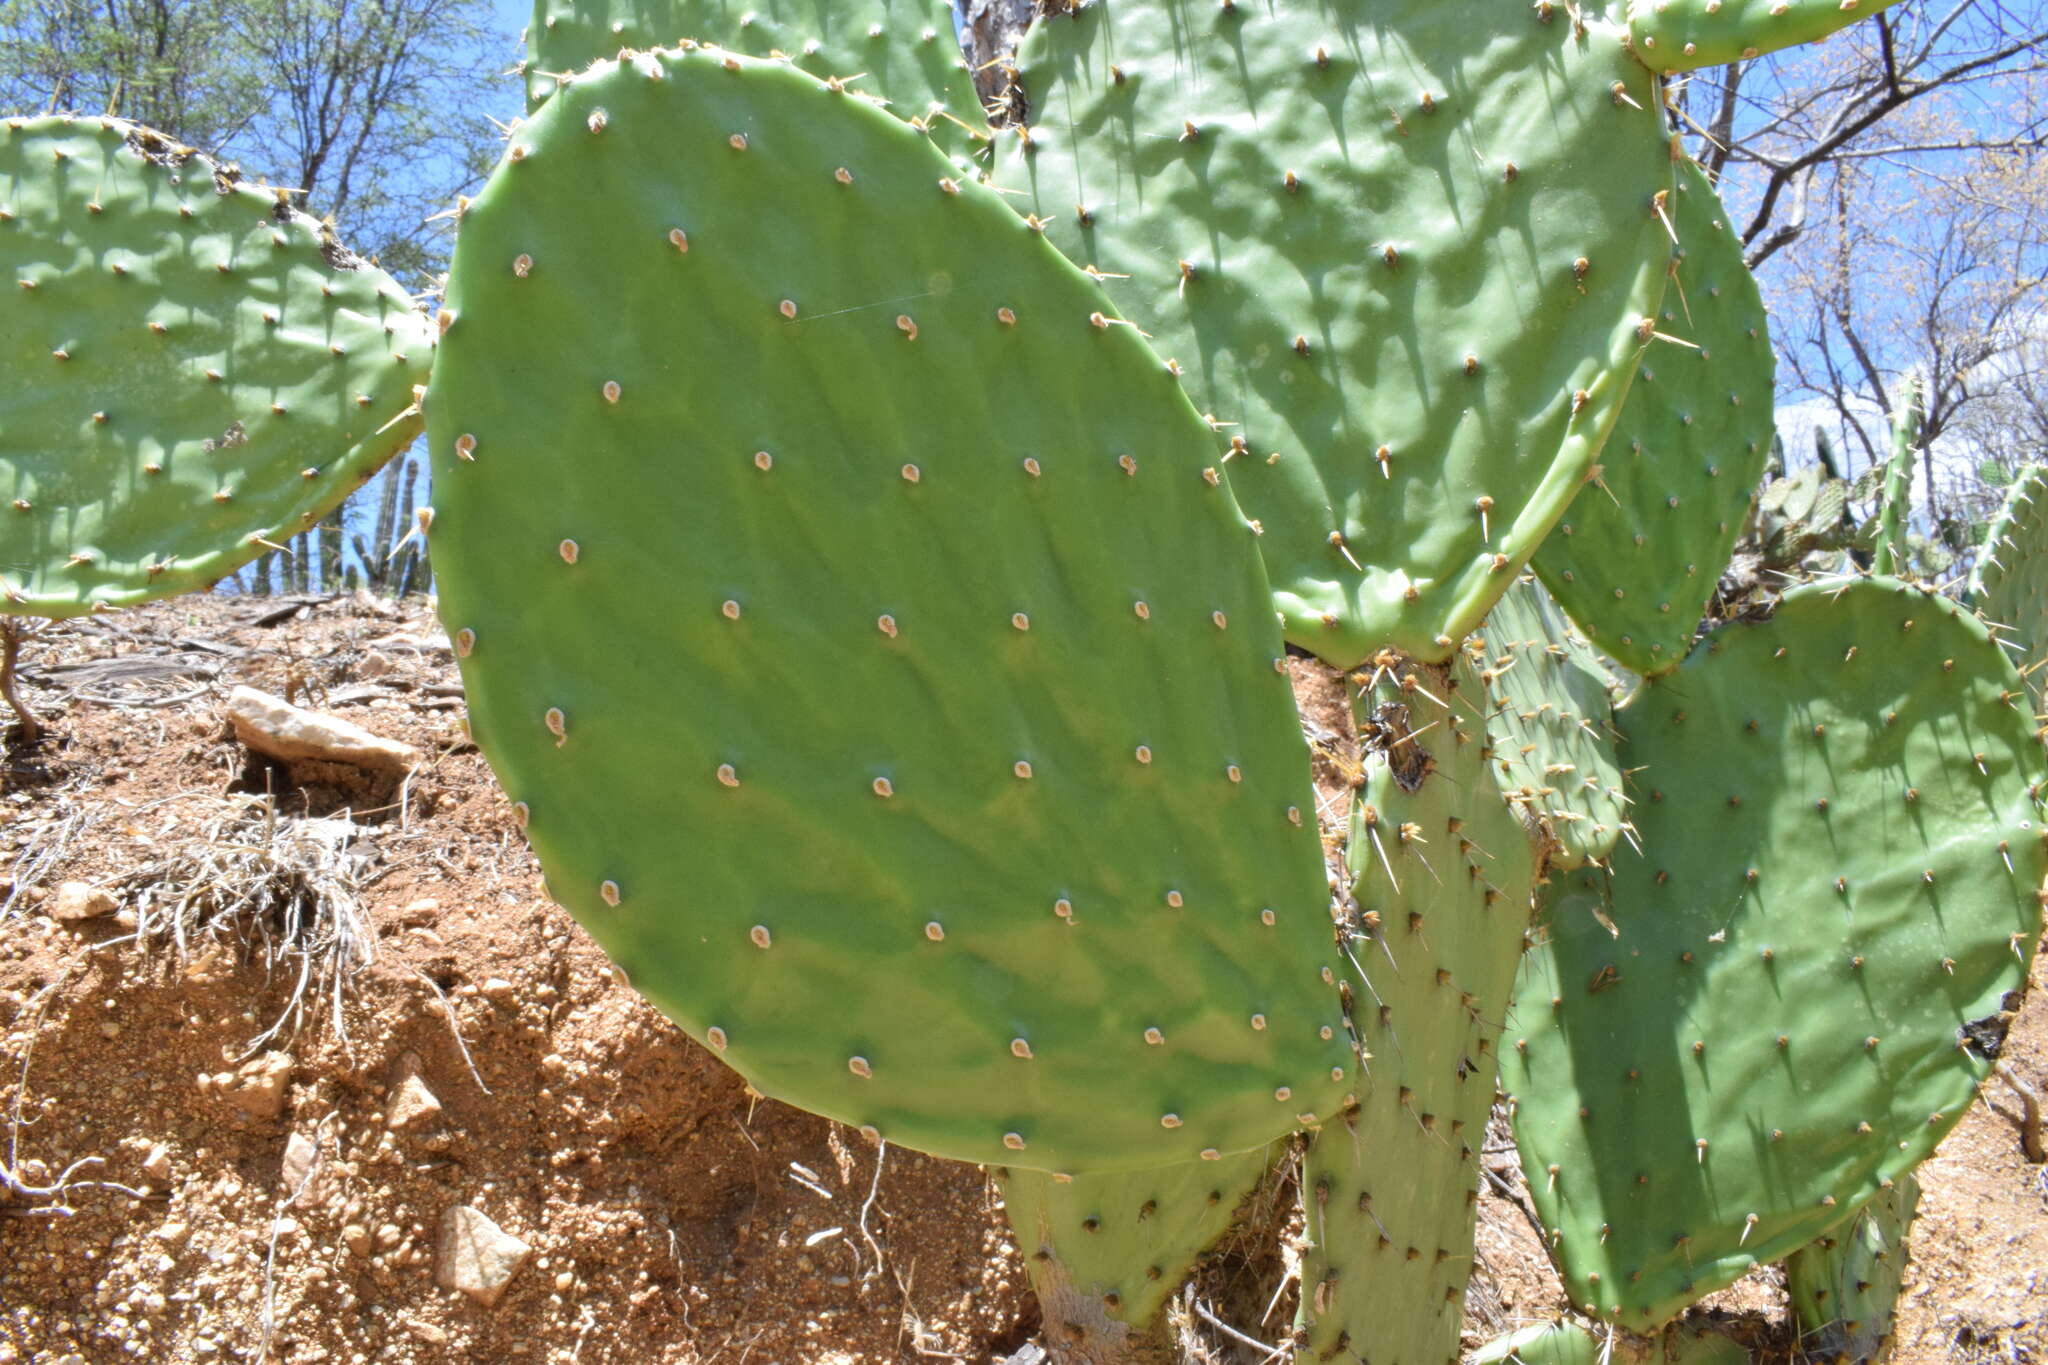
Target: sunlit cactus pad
x,y
1403,252
193,370
1679,35
1550,710
1442,873
920,743
899,51
1839,878
1640,551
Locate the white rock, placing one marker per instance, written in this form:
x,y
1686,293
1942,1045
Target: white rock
x,y
81,900
412,1104
156,1163
476,1256
271,725
258,1087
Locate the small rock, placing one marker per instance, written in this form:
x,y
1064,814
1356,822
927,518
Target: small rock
x,y
476,1256
173,1234
300,1152
374,665
356,1238
156,1162
81,900
412,1105
258,1087
499,991
271,725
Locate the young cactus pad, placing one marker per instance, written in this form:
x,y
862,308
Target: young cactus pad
x,y
1550,711
1404,251
1441,876
899,51
1105,1252
1845,1288
1639,553
1680,35
1839,875
2010,585
195,371
1568,1343
921,744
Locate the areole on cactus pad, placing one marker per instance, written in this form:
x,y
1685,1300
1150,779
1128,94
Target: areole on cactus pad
x,y
196,371
922,744
1772,1011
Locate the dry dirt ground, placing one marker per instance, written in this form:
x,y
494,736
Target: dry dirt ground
x,y
250,1197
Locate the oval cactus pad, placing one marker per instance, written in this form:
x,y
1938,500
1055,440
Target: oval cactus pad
x,y
195,371
1773,1011
1405,251
886,678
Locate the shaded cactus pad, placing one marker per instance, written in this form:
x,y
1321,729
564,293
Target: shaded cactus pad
x,y
1570,1343
1403,251
193,368
1441,879
1640,551
921,744
2010,585
1105,1252
1550,711
1839,875
1845,1287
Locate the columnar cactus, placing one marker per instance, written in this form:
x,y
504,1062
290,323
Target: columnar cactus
x,y
854,597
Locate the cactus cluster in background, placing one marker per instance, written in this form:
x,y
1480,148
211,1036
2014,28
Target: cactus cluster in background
x,y
871,591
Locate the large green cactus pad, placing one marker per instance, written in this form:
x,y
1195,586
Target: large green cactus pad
x,y
1839,875
1845,1288
902,51
921,743
1680,35
1638,554
1442,872
194,371
1105,1252
2010,585
1550,711
1403,251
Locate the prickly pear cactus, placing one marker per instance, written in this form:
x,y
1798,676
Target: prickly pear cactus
x,y
898,51
195,371
1442,872
1404,253
921,744
2010,585
1550,711
1105,1252
1638,554
1762,1020
1845,1287
1680,35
